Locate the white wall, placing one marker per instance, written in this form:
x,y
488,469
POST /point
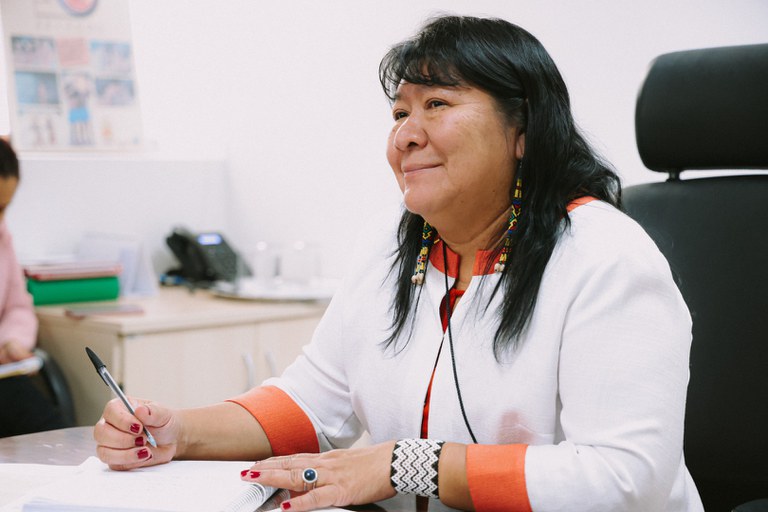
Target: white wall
x,y
275,111
61,198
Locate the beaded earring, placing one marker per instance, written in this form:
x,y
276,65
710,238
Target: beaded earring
x,y
427,238
514,214
421,262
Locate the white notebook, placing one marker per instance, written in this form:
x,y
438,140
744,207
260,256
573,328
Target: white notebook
x,y
177,486
23,367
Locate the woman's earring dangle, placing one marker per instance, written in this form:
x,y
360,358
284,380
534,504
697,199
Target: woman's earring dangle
x,y
421,261
514,214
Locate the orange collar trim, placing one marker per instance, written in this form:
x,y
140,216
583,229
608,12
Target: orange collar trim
x,y
579,201
484,260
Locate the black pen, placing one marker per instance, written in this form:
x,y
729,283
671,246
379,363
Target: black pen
x,y
101,368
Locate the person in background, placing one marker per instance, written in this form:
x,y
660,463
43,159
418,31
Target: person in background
x,y
515,343
23,407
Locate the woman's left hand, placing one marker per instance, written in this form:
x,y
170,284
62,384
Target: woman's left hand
x,y
343,477
12,351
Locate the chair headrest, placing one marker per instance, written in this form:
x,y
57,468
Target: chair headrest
x,y
705,109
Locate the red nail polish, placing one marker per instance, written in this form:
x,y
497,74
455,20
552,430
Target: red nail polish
x,y
139,441
285,505
135,427
143,453
255,474
244,472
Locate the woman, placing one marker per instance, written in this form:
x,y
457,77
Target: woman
x,y
23,407
536,359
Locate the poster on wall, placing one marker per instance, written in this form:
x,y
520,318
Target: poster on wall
x,y
70,75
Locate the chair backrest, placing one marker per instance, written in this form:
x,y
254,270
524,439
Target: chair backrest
x,y
708,109
53,383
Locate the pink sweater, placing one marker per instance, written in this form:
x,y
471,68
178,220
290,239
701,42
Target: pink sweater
x,y
17,316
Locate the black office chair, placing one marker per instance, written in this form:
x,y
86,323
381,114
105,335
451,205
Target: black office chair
x,y
708,109
53,383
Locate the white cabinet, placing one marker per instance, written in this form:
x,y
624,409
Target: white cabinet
x,y
185,350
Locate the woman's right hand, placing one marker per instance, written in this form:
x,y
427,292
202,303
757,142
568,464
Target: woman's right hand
x,y
121,442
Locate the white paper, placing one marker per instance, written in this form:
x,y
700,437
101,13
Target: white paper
x,y
186,486
23,367
20,479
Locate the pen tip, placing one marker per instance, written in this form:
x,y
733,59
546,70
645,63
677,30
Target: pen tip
x,y
94,358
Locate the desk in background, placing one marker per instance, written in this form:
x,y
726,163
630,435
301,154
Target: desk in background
x,y
186,349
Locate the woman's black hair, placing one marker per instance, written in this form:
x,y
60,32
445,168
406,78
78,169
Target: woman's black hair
x,y
9,164
558,165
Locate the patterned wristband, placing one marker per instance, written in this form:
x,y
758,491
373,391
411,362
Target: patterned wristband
x,y
414,466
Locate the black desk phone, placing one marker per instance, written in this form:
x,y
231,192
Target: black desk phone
x,y
205,257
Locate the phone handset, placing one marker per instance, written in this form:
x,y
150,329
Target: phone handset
x,y
205,257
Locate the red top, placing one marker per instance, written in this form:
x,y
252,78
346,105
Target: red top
x,y
453,296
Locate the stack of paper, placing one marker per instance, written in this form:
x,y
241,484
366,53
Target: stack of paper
x,y
73,281
72,270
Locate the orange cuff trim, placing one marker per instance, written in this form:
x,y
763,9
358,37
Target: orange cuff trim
x,y
496,477
287,426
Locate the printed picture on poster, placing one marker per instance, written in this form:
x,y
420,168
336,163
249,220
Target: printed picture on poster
x,y
71,80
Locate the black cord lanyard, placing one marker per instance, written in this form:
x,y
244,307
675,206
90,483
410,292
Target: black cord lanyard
x,y
450,343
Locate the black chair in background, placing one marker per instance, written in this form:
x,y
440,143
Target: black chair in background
x,y
53,383
708,110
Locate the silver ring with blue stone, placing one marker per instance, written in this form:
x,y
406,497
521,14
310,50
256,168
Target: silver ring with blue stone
x,y
309,476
